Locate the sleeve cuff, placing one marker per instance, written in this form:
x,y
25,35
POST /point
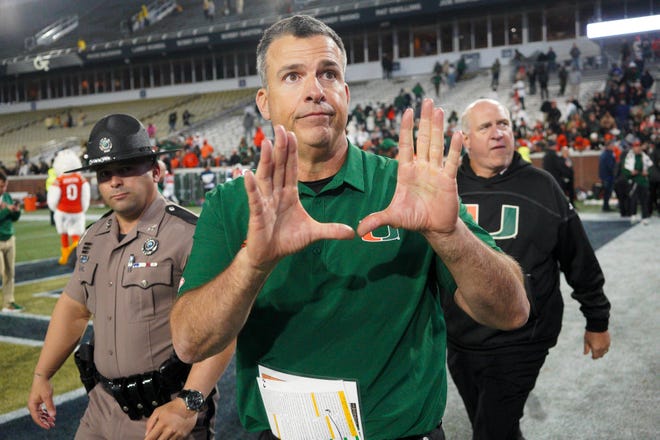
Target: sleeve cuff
x,y
597,325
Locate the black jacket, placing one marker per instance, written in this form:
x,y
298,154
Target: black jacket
x,y
526,212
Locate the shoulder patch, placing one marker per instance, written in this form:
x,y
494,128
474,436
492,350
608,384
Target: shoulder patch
x,y
182,213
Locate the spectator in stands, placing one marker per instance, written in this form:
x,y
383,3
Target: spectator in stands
x,y
249,117
23,168
553,116
82,117
574,81
234,158
647,49
461,68
436,79
575,56
361,137
197,142
151,131
22,155
209,9
190,159
495,74
176,161
206,152
259,137
186,117
607,123
451,76
563,78
387,64
531,79
516,62
622,115
552,60
360,117
418,91
519,92
172,118
542,75
647,80
524,151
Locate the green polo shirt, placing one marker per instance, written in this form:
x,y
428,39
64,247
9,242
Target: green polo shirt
x,y
358,310
7,218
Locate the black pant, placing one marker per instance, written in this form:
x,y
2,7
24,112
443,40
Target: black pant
x,y
608,185
640,194
494,389
654,193
437,434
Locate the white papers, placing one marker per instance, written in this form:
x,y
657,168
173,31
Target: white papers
x,y
303,408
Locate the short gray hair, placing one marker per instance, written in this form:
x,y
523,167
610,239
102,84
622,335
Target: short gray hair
x,y
299,26
465,120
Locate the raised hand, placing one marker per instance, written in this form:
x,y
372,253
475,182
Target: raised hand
x,y
426,196
279,225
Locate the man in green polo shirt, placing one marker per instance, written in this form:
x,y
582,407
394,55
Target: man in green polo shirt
x,y
277,264
10,212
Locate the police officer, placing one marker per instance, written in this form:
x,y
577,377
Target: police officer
x,y
127,273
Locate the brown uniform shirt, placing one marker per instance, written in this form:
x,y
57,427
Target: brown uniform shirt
x,y
131,303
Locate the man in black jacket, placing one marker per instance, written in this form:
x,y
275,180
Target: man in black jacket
x,y
526,212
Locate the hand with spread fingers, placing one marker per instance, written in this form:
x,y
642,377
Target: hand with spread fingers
x,y
426,196
279,225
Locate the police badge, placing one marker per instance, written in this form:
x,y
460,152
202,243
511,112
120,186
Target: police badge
x,y
150,246
105,144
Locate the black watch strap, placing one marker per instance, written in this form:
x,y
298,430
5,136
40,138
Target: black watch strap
x,y
193,399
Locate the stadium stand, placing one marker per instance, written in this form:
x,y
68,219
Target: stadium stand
x,y
30,130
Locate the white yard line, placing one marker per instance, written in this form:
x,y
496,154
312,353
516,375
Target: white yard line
x,y
21,341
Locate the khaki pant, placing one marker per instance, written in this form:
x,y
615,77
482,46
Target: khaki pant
x,y
7,264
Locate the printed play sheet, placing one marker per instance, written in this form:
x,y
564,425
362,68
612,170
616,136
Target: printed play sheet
x,y
304,408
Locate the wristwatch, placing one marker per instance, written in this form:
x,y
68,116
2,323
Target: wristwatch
x,y
193,399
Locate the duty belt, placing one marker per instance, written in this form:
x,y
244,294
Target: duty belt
x,y
140,394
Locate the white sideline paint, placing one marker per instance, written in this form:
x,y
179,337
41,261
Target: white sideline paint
x,y
24,315
21,341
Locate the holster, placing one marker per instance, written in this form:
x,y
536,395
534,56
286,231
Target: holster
x,y
84,359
